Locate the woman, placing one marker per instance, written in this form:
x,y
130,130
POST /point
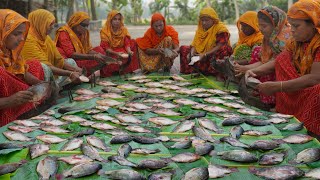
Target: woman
x,y
40,46
15,99
249,36
276,30
211,41
297,68
116,42
159,46
73,41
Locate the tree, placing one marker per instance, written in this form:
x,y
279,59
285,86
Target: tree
x,y
136,6
186,14
93,10
70,10
158,5
208,3
236,7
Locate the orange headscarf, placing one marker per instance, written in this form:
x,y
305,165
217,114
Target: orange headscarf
x,y
11,59
206,40
114,39
305,10
251,19
81,44
151,39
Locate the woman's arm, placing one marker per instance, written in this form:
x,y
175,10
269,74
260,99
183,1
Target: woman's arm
x,y
79,56
241,69
264,69
16,99
30,79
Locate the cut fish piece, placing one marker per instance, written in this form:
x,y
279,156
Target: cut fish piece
x,y
108,102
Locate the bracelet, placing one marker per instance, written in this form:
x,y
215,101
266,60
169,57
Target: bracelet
x,y
71,74
94,56
281,86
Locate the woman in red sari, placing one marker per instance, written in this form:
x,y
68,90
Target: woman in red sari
x,y
210,42
15,79
297,68
116,42
73,41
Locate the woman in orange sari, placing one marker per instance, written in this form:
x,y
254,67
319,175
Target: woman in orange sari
x,y
159,46
116,42
297,68
211,42
249,36
15,99
73,41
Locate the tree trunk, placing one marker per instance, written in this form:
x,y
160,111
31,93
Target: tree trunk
x,y
55,12
45,4
290,2
70,10
208,3
236,7
93,10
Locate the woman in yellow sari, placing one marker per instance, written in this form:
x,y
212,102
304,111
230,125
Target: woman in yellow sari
x,y
211,42
159,46
40,46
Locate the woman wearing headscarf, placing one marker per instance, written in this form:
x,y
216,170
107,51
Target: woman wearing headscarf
x,y
276,30
159,46
211,42
297,68
249,36
41,47
15,76
73,41
117,43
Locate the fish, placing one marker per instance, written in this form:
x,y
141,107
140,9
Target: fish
x,y
314,173
83,91
11,167
165,105
10,145
236,132
229,115
22,129
185,157
116,132
217,91
138,96
124,174
98,143
91,152
185,91
277,172
167,81
122,161
145,140
124,150
72,144
54,129
199,90
278,120
106,83
81,170
203,134
257,122
272,158
293,127
87,123
153,100
233,142
177,78
53,123
184,126
279,115
73,118
167,112
128,87
112,96
162,121
217,171
41,117
125,109
264,145
37,150
215,109
140,81
185,102
183,84
112,90
203,148
256,133
200,173
196,115
108,102
202,95
84,97
199,106
103,126
47,138
140,90
138,77
47,167
214,100
84,132
155,91
102,117
144,151
228,97
137,105
163,138
296,139
158,176
27,123
137,129
308,155
119,139
49,112
152,164
167,95
103,108
181,145
92,111
127,118
233,105
153,84
76,159
171,87
238,156
16,136
248,111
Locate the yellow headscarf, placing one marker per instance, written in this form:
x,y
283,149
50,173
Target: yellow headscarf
x,y
11,60
115,39
250,18
303,59
38,44
81,44
206,40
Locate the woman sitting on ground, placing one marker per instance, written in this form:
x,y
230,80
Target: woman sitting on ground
x,y
211,42
297,68
158,47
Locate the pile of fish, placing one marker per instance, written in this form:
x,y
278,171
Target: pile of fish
x,y
124,125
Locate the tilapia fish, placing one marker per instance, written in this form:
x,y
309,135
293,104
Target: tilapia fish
x,y
277,172
83,132
127,118
228,97
202,95
155,91
137,129
76,159
124,150
124,174
83,91
278,120
92,111
72,144
10,145
49,112
152,164
185,91
167,81
199,106
27,123
294,127
103,108
264,145
185,102
112,96
233,142
233,105
73,118
181,145
127,87
232,121
145,140
185,157
116,132
16,136
50,138
102,117
257,122
199,90
165,105
158,176
81,170
229,115
217,91
47,167
213,100
167,95
119,139
106,83
167,112
144,151
10,167
133,78
53,123
217,171
248,111
108,102
256,133
278,115
200,173
238,156
210,125
272,158
87,123
137,105
183,84
98,143
236,132
153,84
122,161
215,109
22,129
54,129
314,173
37,150
125,109
153,100
203,134
177,78
140,81
42,117
140,90
184,126
103,126
112,90
296,139
171,87
162,121
203,148
308,155
84,97
91,152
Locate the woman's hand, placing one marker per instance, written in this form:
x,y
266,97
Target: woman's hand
x,y
99,57
249,73
268,88
20,98
160,51
130,52
239,70
74,76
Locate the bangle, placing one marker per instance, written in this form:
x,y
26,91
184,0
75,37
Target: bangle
x,y
71,74
281,86
94,56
